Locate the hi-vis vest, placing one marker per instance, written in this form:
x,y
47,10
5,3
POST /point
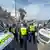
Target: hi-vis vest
x,y
13,30
23,31
32,28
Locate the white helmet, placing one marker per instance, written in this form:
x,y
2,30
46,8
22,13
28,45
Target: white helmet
x,y
21,25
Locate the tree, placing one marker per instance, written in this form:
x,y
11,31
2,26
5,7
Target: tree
x,y
48,21
1,8
22,13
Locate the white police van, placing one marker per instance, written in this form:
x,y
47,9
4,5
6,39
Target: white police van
x,y
44,38
44,35
5,37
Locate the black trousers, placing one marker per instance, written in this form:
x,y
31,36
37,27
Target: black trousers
x,y
16,36
34,39
23,42
30,37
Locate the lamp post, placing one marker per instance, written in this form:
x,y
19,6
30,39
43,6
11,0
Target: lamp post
x,y
15,8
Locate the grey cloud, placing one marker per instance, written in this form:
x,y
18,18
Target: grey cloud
x,y
44,12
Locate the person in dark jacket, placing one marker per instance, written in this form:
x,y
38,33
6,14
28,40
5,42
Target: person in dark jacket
x,y
23,36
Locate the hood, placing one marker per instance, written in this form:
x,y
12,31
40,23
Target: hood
x,y
45,32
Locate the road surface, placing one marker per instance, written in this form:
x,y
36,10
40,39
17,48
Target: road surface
x,y
16,46
42,46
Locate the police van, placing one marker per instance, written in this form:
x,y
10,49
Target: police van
x,y
5,37
44,35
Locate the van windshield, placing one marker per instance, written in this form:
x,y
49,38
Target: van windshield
x,y
1,28
48,25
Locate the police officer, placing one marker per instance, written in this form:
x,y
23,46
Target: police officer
x,y
23,36
30,34
10,28
32,30
14,31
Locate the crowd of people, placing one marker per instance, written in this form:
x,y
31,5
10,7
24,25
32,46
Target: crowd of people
x,y
24,32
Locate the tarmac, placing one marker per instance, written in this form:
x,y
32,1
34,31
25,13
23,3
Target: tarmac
x,y
16,46
42,46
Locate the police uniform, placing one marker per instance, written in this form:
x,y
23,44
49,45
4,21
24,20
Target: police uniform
x,y
14,31
32,31
23,37
10,28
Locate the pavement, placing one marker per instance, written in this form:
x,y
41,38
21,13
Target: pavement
x,y
42,46
16,46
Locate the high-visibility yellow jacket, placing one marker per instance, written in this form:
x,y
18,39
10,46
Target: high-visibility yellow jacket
x,y
23,31
32,28
13,30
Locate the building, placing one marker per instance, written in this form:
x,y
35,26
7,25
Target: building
x,y
6,16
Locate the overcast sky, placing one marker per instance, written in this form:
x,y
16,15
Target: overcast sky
x,y
36,9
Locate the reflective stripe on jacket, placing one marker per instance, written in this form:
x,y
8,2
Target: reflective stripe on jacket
x,y
23,31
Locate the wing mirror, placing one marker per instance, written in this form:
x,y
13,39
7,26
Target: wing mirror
x,y
44,27
5,31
